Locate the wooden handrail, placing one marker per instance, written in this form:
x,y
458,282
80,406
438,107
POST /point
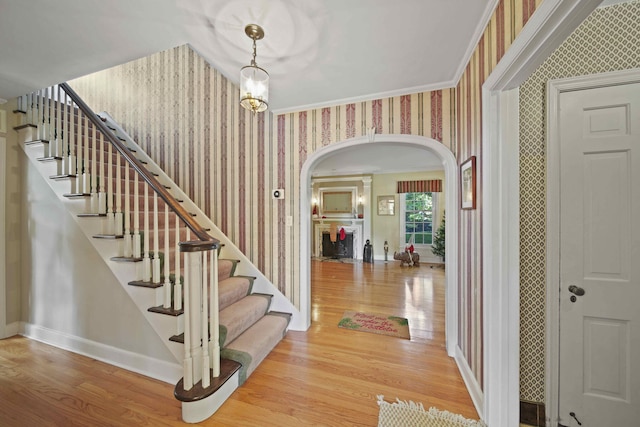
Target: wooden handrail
x,y
206,241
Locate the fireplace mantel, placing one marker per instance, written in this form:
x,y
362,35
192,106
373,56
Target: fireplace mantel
x,y
356,220
350,226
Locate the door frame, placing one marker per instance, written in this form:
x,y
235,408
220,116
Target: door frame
x,y
552,22
555,88
3,235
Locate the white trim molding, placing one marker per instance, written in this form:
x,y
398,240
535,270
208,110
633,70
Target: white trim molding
x,y
554,89
148,366
551,24
501,291
451,235
3,239
475,391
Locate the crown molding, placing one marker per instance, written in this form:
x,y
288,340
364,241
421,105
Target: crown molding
x,y
475,39
370,97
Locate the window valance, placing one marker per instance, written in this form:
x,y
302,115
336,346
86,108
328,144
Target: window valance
x,y
421,186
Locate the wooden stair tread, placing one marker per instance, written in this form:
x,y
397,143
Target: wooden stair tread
x,y
168,311
144,284
228,367
126,259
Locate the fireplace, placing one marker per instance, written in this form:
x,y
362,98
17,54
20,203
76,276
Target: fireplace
x,y
352,227
339,249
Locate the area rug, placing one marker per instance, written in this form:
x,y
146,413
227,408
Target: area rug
x,y
407,413
375,323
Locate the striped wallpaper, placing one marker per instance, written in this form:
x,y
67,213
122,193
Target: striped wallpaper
x,y
188,117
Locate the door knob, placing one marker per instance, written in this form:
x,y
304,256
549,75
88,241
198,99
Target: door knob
x,y
576,290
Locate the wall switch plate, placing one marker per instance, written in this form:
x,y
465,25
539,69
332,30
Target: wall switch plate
x,y
289,221
278,193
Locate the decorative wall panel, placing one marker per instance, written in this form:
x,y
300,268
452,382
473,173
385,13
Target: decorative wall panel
x,y
608,40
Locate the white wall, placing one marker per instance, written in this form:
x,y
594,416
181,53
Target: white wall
x,y
68,292
10,215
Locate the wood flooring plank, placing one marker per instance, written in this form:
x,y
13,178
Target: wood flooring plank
x,y
326,376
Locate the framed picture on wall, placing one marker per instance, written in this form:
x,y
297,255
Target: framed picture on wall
x,y
468,183
386,205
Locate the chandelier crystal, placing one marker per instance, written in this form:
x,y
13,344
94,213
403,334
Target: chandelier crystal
x,y
254,81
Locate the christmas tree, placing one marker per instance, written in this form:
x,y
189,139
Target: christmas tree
x,y
438,241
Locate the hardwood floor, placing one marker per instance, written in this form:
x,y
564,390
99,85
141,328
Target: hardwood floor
x,y
326,376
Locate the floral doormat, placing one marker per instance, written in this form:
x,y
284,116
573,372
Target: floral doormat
x,y
376,323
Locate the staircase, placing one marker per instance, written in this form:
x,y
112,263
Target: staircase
x,y
219,316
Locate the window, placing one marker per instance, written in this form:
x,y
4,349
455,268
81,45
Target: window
x,y
417,218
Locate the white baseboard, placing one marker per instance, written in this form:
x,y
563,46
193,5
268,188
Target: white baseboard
x,y
11,330
145,365
469,379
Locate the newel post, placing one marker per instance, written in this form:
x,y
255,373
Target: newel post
x,y
202,352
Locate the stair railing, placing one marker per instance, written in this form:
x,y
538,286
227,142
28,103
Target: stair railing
x,y
84,147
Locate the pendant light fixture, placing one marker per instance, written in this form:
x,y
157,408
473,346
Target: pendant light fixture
x,y
254,81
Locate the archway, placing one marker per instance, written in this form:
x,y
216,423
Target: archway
x,y
451,234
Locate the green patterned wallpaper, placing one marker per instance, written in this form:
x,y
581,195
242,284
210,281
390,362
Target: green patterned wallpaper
x,y
608,40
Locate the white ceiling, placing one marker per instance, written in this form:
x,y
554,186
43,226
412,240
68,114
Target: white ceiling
x,y
378,158
318,52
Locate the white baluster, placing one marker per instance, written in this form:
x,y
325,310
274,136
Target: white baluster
x,y
118,228
37,116
108,191
137,249
34,108
52,124
64,130
156,245
214,316
195,308
206,379
40,104
167,259
146,262
95,194
188,360
177,285
46,129
127,250
40,123
58,130
85,182
71,131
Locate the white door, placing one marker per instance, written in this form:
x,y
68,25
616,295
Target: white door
x,y
599,378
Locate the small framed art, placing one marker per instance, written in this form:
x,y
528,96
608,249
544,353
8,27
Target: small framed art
x,y
386,205
468,183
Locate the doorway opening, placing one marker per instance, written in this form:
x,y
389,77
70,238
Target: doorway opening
x,y
449,164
